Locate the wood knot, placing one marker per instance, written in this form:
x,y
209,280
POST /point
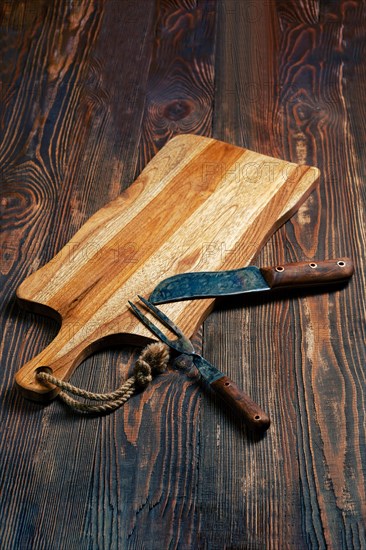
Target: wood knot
x,y
177,109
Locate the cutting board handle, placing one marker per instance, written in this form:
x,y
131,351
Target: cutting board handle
x,y
61,360
49,360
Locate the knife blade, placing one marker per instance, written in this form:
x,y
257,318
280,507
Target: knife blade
x,y
212,284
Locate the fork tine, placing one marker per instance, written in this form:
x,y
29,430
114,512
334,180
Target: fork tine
x,y
154,329
163,318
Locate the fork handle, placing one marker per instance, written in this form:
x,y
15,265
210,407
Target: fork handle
x,y
241,403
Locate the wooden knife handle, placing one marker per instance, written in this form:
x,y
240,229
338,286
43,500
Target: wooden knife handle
x,y
252,414
308,273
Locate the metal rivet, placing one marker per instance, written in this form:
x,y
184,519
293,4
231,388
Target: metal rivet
x,y
280,268
341,263
313,265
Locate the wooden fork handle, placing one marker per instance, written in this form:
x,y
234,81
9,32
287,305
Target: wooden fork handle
x,y
241,403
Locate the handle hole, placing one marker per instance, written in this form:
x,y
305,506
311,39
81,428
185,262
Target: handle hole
x,y
341,263
313,265
47,370
280,268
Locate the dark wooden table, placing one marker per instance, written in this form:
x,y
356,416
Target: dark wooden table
x,y
90,91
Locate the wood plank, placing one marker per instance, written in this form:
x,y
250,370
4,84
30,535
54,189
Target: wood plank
x,y
159,507
293,489
69,146
180,86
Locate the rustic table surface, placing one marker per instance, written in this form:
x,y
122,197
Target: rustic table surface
x,y
90,91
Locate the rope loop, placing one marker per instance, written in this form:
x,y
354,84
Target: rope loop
x,y
153,360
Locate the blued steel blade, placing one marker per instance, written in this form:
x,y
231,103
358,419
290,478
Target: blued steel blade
x,y
209,284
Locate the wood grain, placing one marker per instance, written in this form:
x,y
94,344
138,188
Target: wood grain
x,y
180,85
90,91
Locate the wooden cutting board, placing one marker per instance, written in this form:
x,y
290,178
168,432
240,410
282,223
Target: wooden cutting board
x,y
200,204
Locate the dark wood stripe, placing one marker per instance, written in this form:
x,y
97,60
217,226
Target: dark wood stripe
x,y
180,87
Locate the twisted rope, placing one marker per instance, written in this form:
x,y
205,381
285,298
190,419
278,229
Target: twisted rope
x,y
153,360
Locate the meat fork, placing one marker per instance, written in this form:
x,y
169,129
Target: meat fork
x,y
242,404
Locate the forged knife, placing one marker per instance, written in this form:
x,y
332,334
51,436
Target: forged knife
x,y
212,284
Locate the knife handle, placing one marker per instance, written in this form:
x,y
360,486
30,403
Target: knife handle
x,y
241,403
308,273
